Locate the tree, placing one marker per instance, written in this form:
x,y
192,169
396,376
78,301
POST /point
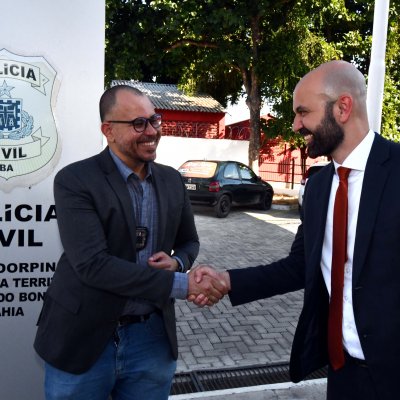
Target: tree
x,y
236,43
132,42
391,103
347,29
221,46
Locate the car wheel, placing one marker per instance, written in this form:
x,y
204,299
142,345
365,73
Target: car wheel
x,y
223,206
266,201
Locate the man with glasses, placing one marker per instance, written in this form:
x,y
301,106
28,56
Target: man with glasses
x,y
107,326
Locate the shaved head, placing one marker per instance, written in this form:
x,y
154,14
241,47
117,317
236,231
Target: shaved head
x,y
335,78
331,109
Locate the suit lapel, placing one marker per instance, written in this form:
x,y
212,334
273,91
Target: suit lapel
x,y
318,201
162,201
118,185
376,174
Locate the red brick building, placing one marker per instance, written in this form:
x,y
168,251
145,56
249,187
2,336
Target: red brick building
x,y
278,162
196,116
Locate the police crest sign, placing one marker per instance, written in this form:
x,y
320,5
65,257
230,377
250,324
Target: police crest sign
x,y
29,142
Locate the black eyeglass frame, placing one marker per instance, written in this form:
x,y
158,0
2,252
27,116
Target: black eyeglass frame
x,y
155,121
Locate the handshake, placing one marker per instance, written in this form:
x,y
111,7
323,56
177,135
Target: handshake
x,y
207,286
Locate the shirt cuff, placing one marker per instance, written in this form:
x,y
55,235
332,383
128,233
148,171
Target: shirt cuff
x,y
180,286
181,267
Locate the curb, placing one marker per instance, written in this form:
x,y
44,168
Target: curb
x,y
284,206
250,389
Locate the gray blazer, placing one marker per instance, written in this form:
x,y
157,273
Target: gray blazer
x,y
97,273
376,272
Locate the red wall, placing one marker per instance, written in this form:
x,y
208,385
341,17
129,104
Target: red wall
x,y
193,124
277,161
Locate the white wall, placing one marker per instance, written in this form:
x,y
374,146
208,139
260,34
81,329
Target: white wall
x,y
174,151
69,35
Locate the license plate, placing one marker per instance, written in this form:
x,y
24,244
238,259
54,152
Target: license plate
x,y
190,186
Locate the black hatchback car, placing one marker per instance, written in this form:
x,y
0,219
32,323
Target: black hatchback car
x,y
222,184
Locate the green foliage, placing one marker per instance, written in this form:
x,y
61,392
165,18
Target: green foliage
x,y
134,47
391,102
264,46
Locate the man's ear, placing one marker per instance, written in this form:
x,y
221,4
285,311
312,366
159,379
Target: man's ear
x,y
107,131
345,107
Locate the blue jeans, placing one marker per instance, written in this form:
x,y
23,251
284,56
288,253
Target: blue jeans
x,y
137,366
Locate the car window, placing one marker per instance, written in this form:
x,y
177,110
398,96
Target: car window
x,y
231,171
198,169
247,173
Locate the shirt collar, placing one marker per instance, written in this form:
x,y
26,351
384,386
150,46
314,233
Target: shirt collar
x,y
124,170
357,159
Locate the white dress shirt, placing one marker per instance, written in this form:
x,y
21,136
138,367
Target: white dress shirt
x,y
356,161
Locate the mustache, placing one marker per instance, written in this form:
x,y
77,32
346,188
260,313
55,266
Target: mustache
x,y
304,131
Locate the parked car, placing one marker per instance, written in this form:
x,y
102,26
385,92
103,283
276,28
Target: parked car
x,y
312,169
222,184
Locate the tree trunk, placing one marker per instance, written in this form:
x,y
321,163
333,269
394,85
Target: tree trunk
x,y
253,101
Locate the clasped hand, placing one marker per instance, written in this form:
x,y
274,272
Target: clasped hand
x,y
207,286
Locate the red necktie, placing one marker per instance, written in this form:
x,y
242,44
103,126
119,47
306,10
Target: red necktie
x,y
339,257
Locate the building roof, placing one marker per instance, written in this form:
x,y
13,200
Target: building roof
x,y
169,97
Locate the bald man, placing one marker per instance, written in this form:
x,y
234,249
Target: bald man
x,y
362,356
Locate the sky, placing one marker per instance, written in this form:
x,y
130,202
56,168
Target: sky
x,y
240,112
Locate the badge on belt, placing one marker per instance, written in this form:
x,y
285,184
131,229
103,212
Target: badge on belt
x,y
141,237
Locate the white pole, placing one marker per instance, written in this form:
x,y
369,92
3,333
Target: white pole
x,y
376,73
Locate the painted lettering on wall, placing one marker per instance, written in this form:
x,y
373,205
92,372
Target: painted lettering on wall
x,y
24,213
19,287
24,282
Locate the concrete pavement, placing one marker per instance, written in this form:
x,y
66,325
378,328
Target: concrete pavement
x,y
254,334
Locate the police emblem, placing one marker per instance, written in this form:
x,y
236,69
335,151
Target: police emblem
x,y
29,142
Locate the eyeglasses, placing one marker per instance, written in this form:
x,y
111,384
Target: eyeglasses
x,y
140,124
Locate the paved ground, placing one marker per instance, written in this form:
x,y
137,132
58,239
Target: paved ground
x,y
257,333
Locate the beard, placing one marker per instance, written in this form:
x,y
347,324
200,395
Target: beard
x,y
326,137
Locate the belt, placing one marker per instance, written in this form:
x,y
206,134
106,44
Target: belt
x,y
355,361
133,319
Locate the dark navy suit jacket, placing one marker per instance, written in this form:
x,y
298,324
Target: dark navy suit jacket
x,y
97,272
376,272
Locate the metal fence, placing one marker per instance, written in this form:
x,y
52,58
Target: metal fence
x,y
287,172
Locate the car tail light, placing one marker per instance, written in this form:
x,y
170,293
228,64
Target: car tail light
x,y
214,186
